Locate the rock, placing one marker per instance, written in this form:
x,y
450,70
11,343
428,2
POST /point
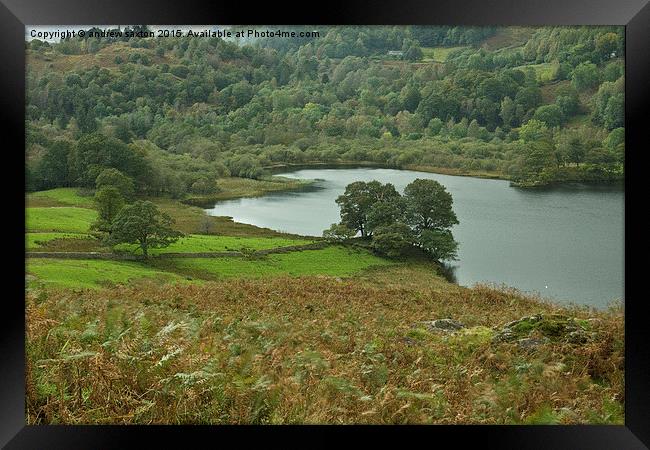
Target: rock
x,y
532,342
530,319
527,331
447,325
577,337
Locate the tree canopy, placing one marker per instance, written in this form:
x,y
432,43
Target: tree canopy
x,y
422,218
143,224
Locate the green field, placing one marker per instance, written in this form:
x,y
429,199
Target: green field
x,y
438,54
67,273
210,243
332,261
36,240
62,219
60,197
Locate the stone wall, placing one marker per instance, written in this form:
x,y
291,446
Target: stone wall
x,y
130,257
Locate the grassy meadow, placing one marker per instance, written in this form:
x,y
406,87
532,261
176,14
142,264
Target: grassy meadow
x,y
332,335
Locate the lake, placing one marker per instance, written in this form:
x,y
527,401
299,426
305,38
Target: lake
x,y
564,243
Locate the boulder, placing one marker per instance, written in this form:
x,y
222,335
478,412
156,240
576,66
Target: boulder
x,y
444,325
531,331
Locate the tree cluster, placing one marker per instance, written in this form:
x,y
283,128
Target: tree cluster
x,y
422,217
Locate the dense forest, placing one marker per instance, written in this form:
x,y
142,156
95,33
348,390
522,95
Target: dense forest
x,y
534,105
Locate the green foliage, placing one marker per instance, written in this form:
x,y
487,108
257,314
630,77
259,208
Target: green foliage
x,y
338,233
422,218
551,115
585,76
109,202
114,178
143,224
440,244
96,152
211,109
534,130
393,240
52,169
428,206
358,199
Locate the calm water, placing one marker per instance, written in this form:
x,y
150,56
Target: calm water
x,y
564,243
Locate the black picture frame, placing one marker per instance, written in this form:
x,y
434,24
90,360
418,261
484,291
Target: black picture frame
x,y
15,14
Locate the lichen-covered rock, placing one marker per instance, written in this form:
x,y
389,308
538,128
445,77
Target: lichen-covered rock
x,y
534,330
445,325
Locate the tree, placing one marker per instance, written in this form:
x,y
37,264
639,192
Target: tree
x,y
615,138
393,240
533,130
245,166
585,76
96,152
430,215
538,156
529,97
358,199
574,148
440,244
52,170
428,206
508,113
338,233
614,112
115,178
606,44
567,100
551,115
410,97
142,223
109,202
385,213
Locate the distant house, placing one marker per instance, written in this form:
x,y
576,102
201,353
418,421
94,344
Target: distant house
x,y
395,53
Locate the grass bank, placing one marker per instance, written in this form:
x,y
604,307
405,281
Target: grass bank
x,y
232,187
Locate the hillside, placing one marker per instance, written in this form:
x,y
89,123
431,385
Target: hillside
x,y
497,100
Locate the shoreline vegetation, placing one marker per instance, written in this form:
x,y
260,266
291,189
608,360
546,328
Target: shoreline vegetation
x,y
233,188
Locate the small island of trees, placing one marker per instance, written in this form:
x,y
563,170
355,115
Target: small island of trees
x,y
394,224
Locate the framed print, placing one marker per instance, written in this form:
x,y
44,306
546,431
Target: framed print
x,y
407,218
